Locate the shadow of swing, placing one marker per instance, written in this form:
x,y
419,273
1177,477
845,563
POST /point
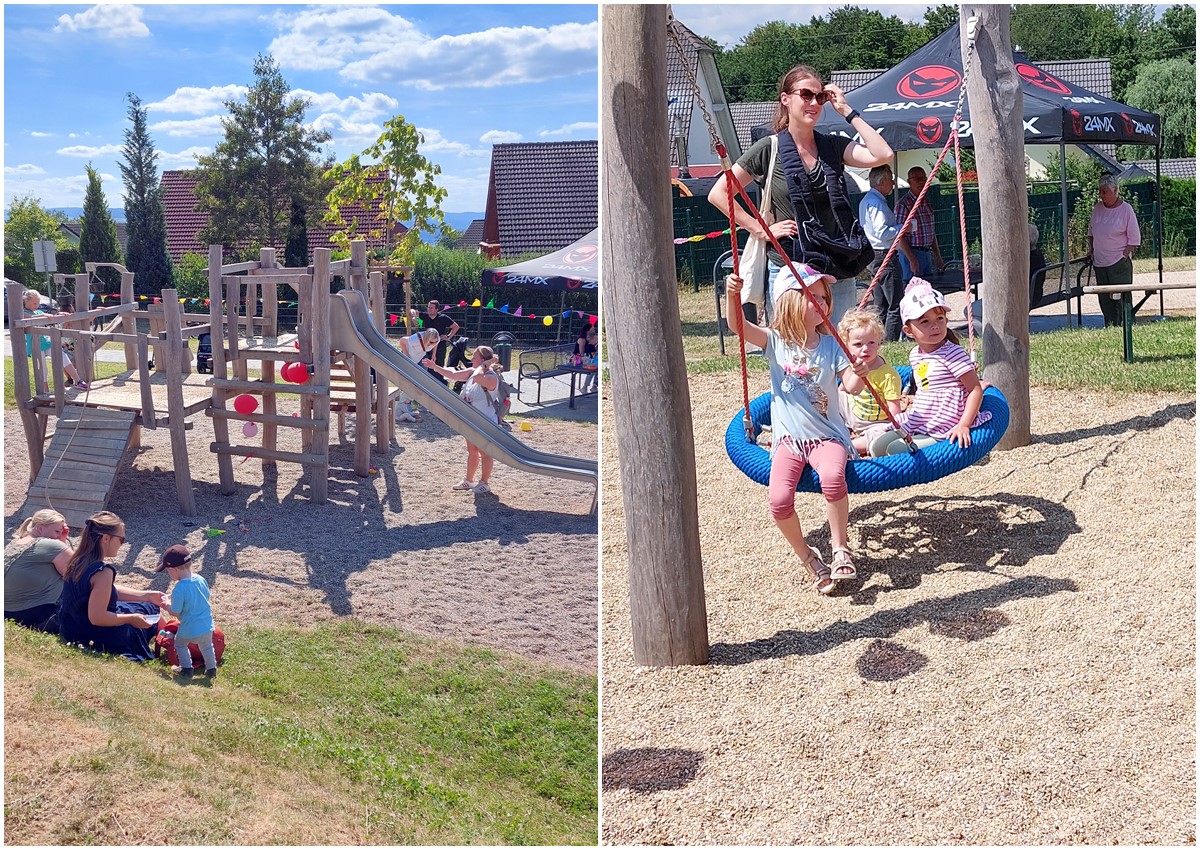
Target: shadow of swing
x,y
649,769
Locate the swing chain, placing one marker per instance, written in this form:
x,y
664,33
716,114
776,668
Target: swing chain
x,y
672,31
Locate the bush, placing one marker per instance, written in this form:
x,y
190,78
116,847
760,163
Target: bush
x,y
1179,217
189,277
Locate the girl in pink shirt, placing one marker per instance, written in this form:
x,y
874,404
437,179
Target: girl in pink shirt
x,y
946,406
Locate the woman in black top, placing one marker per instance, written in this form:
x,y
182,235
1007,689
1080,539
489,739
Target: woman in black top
x,y
802,96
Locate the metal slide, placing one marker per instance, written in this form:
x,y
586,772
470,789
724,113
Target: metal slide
x,y
352,331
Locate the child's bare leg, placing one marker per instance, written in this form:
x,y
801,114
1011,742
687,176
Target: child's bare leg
x,y
839,521
487,462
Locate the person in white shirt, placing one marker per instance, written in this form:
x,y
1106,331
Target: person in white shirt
x,y
882,230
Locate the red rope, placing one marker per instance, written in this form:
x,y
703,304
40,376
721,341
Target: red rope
x,y
962,226
729,183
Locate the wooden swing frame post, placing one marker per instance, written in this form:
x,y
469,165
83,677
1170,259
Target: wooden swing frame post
x,y
641,303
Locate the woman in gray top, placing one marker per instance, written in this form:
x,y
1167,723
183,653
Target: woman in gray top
x,y
34,565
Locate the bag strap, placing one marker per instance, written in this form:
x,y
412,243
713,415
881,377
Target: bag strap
x,y
800,183
766,202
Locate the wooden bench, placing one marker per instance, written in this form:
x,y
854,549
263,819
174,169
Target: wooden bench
x,y
1128,309
538,364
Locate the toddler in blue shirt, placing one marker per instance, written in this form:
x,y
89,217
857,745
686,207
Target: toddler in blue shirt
x,y
189,602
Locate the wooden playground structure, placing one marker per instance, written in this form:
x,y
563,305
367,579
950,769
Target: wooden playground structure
x,y
158,389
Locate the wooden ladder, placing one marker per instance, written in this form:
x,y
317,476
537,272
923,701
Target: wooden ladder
x,y
81,462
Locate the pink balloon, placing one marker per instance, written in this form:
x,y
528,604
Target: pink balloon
x,y
249,429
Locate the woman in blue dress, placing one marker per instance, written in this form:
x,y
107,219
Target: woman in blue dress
x,y
96,612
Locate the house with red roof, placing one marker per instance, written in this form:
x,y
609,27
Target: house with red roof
x,y
184,221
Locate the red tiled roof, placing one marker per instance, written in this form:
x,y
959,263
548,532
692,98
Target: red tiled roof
x,y
184,222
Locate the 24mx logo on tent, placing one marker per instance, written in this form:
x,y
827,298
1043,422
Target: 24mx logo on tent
x,y
928,81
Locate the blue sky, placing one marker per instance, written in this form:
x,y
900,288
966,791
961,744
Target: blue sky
x,y
467,76
727,25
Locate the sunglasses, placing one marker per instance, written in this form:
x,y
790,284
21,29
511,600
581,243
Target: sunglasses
x,y
817,97
120,537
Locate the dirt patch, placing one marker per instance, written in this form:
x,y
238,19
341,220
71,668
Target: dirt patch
x,y
1015,665
514,571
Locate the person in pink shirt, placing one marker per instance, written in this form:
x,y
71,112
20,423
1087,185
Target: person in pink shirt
x,y
1113,236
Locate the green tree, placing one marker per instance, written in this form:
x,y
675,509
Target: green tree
x,y
267,160
145,220
295,254
400,183
1168,88
189,277
449,237
28,222
938,19
97,230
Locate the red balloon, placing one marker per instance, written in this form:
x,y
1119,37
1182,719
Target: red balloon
x,y
245,404
298,374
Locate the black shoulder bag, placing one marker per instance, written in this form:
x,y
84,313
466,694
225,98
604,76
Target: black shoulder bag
x,y
842,254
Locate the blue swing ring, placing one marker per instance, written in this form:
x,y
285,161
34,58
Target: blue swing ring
x,y
876,474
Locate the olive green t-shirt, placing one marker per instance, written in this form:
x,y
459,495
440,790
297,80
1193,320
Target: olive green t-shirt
x,y
29,575
757,160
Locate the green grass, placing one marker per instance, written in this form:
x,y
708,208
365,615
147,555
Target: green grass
x,y
1164,352
399,739
100,369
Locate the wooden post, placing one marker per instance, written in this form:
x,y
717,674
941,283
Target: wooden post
x,y
321,362
217,330
994,94
385,422
658,465
128,320
83,345
176,417
270,329
21,384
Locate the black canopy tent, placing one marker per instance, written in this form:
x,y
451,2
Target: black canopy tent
x,y
573,268
913,104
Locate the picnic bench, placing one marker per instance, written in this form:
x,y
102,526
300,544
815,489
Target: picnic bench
x,y
538,364
1128,308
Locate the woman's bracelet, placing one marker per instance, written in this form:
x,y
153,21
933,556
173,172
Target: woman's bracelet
x,y
853,114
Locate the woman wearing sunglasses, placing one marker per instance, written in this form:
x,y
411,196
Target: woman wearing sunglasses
x,y
96,612
802,96
35,562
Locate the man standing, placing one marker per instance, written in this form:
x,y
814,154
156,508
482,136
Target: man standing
x,y
447,327
921,239
882,230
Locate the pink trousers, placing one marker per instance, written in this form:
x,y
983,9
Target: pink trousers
x,y
827,457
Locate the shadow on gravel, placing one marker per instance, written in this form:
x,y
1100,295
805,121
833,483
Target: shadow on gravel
x,y
888,623
901,544
1186,412
648,770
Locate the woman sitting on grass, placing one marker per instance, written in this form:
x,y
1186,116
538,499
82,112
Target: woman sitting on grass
x,y
95,611
34,565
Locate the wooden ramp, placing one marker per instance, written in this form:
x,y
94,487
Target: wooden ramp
x,y
81,462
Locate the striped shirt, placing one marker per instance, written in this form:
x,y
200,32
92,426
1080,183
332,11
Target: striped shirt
x,y
922,238
941,396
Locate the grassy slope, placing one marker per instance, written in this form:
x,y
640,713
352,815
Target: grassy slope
x,y
345,734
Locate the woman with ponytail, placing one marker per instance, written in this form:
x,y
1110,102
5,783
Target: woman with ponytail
x,y
96,612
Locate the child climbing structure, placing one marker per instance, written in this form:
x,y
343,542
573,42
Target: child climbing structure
x,y
338,342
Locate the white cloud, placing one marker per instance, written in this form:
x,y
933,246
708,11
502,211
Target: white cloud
x,y
197,101
373,45
24,169
90,151
185,158
53,191
346,132
325,39
370,105
435,142
208,126
37,134
465,191
111,20
591,127
495,57
499,137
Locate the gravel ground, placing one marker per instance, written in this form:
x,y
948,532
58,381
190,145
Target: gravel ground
x,y
1015,664
514,571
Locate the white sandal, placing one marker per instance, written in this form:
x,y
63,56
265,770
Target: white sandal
x,y
842,561
822,579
